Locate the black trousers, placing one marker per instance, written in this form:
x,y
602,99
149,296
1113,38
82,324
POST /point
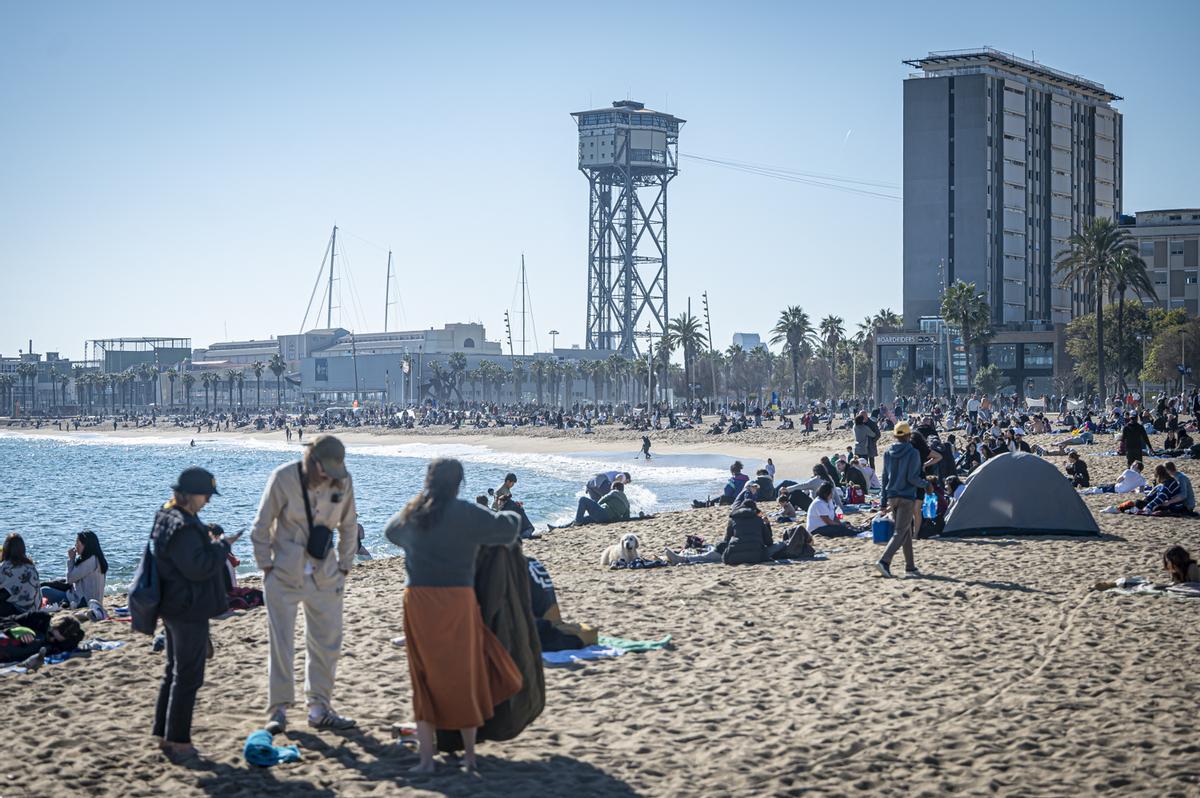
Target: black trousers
x,y
187,648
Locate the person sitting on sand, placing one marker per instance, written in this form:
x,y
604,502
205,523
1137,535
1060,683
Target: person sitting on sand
x,y
747,540
612,506
822,515
18,579
1077,470
1165,492
852,475
87,570
1180,566
737,481
1131,480
22,636
1186,503
602,483
766,487
459,669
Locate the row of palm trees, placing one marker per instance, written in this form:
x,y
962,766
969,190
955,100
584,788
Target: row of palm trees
x,y
816,362
138,385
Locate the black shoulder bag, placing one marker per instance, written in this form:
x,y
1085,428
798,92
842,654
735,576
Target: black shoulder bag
x,y
320,538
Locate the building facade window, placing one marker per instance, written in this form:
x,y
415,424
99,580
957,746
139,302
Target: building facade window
x,y
1002,355
890,357
468,343
1039,356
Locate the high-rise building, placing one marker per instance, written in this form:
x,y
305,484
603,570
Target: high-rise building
x,y
1169,242
1004,159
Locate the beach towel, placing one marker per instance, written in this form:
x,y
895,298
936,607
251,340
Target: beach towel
x,y
573,655
634,646
261,751
639,563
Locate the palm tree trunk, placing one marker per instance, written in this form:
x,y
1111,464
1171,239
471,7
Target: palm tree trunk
x,y
795,376
1100,341
1121,337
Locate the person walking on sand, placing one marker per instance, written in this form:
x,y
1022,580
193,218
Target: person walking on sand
x,y
646,446
293,545
459,669
902,478
191,573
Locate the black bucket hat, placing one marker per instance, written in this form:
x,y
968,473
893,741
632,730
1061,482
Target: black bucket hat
x,y
195,481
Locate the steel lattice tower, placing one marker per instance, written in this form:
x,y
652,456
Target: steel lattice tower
x,y
628,154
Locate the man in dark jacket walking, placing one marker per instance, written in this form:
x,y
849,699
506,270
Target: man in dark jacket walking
x,y
191,569
902,479
1136,441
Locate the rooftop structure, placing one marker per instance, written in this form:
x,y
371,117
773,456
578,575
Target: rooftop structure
x,y
629,154
118,354
988,60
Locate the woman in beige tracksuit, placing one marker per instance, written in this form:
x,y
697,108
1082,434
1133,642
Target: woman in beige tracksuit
x,y
293,577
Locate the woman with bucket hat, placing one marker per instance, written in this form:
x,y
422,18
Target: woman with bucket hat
x,y
191,572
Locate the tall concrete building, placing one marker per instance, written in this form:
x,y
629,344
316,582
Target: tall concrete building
x,y
1004,159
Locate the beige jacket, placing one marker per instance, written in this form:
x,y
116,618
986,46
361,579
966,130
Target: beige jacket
x,y
280,531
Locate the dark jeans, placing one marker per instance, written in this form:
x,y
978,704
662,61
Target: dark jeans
x,y
187,647
590,512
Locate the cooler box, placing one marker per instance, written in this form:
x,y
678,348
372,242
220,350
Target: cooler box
x,y
882,529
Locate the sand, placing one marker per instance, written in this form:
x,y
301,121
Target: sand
x,y
999,672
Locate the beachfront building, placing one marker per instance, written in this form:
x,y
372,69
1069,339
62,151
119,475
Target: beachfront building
x,y
1004,159
38,383
1169,242
237,353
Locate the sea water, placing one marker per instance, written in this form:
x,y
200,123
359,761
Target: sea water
x,y
54,486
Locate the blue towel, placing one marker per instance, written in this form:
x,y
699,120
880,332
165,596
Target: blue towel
x,y
259,750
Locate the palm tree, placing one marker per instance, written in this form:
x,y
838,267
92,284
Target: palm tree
x,y
617,368
277,366
63,381
662,364
241,384
458,367
968,310
231,375
538,369
1090,262
189,379
833,333
796,329
1128,274
258,367
518,379
28,373
687,331
172,375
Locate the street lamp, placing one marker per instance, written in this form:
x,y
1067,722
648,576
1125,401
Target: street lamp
x,y
553,338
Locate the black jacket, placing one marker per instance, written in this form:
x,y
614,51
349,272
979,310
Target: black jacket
x,y
191,567
766,489
502,588
747,537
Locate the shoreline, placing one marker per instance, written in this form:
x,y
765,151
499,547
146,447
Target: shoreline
x,y
795,457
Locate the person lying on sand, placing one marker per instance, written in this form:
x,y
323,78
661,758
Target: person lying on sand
x,y
748,540
22,636
1130,481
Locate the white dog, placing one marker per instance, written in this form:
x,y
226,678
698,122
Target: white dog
x,y
626,550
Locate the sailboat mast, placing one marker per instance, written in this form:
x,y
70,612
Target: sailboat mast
x,y
523,291
332,253
387,292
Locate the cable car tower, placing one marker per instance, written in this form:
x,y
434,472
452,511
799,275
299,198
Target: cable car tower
x,y
629,154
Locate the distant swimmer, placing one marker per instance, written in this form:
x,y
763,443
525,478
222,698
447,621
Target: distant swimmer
x,y
193,443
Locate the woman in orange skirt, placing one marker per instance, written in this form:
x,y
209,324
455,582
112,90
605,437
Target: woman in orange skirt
x,y
459,670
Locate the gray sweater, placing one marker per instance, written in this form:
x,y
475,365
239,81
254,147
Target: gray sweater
x,y
444,554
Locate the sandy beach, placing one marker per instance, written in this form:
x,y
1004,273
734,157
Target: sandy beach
x,y
998,672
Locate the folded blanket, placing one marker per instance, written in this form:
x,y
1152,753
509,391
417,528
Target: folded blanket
x,y
638,563
260,750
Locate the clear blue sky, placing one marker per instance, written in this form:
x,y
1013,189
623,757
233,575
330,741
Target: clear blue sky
x,y
175,169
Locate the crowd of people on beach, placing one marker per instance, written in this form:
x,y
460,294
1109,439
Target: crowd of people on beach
x,y
908,463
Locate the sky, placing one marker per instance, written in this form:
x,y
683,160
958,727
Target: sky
x,y
175,169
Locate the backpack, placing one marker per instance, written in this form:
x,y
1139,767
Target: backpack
x,y
145,595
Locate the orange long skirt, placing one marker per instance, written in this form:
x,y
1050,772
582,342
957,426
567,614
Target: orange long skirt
x,y
460,670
